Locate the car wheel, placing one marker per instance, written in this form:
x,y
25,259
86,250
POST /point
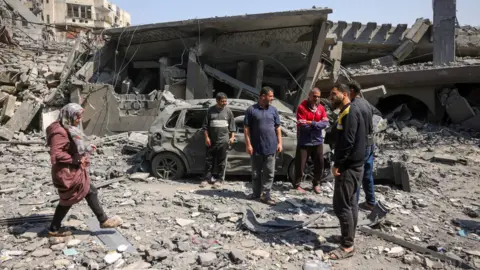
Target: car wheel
x,y
168,166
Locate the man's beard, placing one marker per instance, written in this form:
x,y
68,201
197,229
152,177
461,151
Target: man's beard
x,y
337,103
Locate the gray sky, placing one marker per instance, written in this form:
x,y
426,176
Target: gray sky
x,y
380,11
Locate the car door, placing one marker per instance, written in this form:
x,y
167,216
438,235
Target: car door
x,y
238,159
190,139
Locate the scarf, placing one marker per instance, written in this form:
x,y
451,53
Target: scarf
x,y
67,116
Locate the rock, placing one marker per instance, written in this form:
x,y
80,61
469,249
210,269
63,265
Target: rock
x,y
237,256
32,233
293,251
316,265
61,263
428,263
319,253
157,255
248,243
112,257
223,216
396,252
204,234
73,243
44,252
122,248
183,246
261,253
206,259
184,222
93,265
139,265
139,176
58,247
416,229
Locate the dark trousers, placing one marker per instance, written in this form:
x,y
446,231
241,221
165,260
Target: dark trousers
x,y
216,158
367,180
263,173
345,204
93,203
301,158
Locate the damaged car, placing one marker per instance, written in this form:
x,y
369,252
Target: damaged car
x,y
176,142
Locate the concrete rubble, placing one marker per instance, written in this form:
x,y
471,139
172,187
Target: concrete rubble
x,y
426,163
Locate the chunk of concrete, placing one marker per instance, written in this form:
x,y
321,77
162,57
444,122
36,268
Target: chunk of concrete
x,y
48,118
23,116
458,108
6,134
373,94
8,108
401,176
472,123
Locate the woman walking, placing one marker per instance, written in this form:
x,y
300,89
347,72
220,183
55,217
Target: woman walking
x,y
69,156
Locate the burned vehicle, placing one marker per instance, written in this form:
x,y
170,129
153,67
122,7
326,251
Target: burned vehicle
x,y
176,142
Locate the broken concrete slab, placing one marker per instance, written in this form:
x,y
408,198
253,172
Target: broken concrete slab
x,y
472,123
110,237
23,116
6,134
217,74
373,94
8,108
401,176
48,118
458,108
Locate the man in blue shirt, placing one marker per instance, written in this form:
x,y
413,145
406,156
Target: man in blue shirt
x,y
263,139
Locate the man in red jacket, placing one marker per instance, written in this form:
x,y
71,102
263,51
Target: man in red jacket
x,y
311,120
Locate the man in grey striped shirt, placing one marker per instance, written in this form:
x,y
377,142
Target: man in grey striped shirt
x,y
219,127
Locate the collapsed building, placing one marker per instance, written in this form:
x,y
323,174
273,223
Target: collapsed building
x,y
124,77
291,52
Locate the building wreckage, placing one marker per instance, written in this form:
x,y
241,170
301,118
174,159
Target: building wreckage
x,y
123,76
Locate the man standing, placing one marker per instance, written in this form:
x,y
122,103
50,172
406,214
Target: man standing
x,y
311,120
218,124
263,139
348,167
368,112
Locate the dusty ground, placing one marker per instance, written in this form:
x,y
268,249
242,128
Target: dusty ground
x,y
443,205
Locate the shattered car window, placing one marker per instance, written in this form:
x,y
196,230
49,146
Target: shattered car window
x,y
172,122
194,118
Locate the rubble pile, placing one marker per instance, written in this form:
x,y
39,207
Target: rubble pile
x,y
177,225
30,69
376,67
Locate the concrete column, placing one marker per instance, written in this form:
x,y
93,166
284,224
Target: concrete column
x,y
336,57
162,80
444,19
243,74
257,74
315,56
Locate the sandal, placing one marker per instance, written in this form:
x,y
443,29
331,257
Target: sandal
x,y
267,200
62,232
112,222
340,254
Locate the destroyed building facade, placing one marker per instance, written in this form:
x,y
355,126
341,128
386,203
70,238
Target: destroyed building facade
x,y
288,51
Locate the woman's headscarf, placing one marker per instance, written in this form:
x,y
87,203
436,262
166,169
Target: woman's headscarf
x,y
68,114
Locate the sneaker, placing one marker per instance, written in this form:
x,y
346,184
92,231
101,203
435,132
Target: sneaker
x,y
317,190
300,189
112,222
62,232
366,206
204,184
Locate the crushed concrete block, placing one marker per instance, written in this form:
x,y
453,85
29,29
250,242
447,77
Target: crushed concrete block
x,y
48,118
23,116
472,123
458,108
373,94
401,176
8,89
6,134
8,108
138,138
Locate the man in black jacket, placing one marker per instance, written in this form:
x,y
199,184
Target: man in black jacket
x,y
348,165
368,110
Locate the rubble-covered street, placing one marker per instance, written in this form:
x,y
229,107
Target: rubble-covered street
x,y
427,162
177,225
